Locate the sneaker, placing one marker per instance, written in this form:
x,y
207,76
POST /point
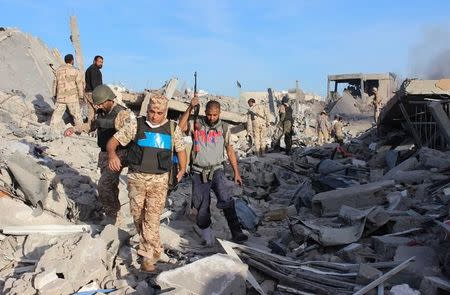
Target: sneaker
x,y
207,236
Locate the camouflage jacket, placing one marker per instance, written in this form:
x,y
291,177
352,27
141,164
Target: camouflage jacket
x,y
68,84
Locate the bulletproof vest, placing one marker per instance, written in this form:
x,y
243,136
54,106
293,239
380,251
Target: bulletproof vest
x,y
289,116
209,144
105,126
150,151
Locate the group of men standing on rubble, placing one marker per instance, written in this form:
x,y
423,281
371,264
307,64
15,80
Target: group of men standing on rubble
x,y
151,146
258,122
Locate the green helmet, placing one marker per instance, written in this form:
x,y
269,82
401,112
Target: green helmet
x,y
101,94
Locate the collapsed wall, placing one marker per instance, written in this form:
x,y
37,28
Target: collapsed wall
x,y
25,66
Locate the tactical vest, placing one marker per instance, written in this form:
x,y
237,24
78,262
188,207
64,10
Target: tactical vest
x,y
289,116
209,145
105,126
150,151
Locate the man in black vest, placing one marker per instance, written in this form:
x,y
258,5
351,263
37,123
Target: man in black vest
x,y
110,118
153,142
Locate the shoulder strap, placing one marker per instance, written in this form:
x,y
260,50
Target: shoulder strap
x,y
225,131
172,132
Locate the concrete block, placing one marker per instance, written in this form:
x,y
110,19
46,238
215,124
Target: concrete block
x,y
386,246
216,274
430,158
367,274
435,285
407,165
44,278
357,196
425,264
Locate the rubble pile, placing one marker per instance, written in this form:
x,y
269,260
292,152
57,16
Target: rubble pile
x,y
372,214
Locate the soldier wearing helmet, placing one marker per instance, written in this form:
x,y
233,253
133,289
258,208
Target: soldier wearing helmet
x,y
110,117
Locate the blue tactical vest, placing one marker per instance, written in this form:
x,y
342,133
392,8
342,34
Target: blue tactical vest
x,y
150,151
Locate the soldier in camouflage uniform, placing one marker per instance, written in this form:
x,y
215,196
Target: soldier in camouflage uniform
x,y
68,90
257,124
152,140
110,117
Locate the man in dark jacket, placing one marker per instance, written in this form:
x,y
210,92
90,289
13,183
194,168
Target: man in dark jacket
x,y
93,78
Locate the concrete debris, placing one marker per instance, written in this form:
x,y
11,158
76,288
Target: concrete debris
x,y
403,289
336,218
216,274
358,196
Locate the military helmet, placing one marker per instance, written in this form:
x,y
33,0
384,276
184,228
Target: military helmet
x,y
101,94
285,99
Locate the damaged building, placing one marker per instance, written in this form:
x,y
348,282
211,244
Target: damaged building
x,y
369,216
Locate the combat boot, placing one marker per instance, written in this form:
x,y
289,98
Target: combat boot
x,y
235,226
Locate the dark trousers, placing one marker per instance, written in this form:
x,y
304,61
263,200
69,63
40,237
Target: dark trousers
x,y
201,197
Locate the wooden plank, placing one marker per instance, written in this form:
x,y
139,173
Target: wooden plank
x,y
18,230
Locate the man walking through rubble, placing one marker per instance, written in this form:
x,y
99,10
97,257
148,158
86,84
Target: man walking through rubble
x,y
376,104
93,78
211,138
323,128
257,124
67,90
286,124
150,155
338,127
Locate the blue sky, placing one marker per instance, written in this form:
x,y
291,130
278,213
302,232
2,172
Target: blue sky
x,y
260,43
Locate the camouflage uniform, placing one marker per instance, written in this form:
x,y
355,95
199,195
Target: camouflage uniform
x,y
376,106
338,131
147,193
107,187
68,90
323,129
257,123
90,106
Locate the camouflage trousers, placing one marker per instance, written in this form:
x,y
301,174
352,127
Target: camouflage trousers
x,y
108,184
147,193
323,137
376,113
90,106
74,110
259,136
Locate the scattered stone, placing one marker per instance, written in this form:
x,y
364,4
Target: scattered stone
x,y
216,274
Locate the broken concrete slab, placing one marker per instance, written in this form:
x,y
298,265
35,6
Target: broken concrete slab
x,y
367,274
407,165
16,213
435,285
31,177
431,158
359,196
403,289
216,274
387,246
426,263
78,259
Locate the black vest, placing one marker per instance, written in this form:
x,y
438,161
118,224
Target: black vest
x,y
105,126
150,151
289,116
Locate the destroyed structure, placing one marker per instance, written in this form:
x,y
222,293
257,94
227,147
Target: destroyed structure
x,y
321,221
351,93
